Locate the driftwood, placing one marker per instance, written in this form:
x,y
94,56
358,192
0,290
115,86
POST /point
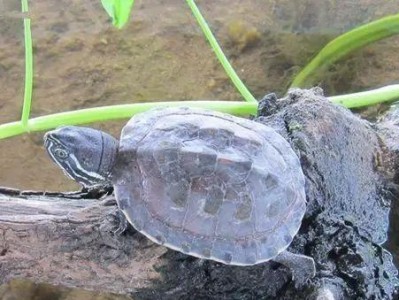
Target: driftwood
x,y
65,240
70,239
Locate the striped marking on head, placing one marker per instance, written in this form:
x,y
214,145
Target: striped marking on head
x,y
68,162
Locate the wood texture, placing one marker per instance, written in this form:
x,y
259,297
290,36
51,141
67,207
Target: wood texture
x,y
69,240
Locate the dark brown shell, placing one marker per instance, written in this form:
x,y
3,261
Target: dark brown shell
x,y
209,184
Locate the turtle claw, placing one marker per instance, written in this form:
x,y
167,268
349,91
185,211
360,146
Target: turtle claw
x,y
302,267
93,192
117,219
123,223
109,201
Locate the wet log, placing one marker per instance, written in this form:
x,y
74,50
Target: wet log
x,y
69,239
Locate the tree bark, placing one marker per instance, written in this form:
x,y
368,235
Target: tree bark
x,y
69,240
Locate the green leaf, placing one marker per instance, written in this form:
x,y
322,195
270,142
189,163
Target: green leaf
x,y
384,94
114,112
26,108
118,10
240,86
345,44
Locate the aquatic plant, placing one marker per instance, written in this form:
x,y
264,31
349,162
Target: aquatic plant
x,y
219,53
343,45
336,49
28,68
119,11
384,94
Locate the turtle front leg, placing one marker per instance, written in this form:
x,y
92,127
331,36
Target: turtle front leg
x,y
92,192
116,216
122,221
302,266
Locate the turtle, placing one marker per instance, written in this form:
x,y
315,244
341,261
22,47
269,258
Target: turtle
x,y
205,183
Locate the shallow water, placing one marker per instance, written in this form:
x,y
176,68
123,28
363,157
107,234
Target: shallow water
x,y
80,61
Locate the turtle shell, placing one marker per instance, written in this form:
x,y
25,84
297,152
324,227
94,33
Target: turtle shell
x,y
209,184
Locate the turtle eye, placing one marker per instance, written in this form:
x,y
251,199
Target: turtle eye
x,y
61,153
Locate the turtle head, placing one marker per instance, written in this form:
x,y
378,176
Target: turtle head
x,y
86,155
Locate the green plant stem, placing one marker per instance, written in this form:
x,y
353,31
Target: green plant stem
x,y
103,113
384,94
219,53
344,44
118,10
28,67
